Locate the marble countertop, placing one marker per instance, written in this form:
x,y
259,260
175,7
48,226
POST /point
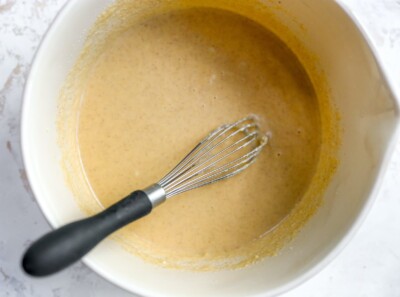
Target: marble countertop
x,y
369,265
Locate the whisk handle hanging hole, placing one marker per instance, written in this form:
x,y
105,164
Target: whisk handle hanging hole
x,y
66,245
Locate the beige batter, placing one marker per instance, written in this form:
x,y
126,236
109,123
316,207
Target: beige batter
x,y
163,85
154,77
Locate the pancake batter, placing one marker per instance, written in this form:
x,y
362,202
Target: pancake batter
x,y
162,85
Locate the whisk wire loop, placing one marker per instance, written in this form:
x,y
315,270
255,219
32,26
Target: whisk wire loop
x,y
225,152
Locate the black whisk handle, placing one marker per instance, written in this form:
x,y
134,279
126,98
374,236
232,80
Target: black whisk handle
x,y
62,247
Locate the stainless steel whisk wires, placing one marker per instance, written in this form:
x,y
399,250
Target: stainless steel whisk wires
x,y
225,152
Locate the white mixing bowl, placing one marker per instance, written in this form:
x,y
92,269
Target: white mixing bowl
x,y
369,118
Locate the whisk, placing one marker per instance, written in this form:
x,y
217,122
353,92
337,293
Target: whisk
x,y
225,152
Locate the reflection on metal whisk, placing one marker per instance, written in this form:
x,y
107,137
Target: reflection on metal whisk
x,y
225,152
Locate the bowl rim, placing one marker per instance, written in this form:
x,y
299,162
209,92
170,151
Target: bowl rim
x,y
313,270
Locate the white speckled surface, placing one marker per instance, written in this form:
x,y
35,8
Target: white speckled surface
x,y
369,266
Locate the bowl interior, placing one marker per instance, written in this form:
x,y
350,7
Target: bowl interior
x,y
369,118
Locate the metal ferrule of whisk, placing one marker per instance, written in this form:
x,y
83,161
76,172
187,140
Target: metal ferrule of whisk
x,y
225,152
